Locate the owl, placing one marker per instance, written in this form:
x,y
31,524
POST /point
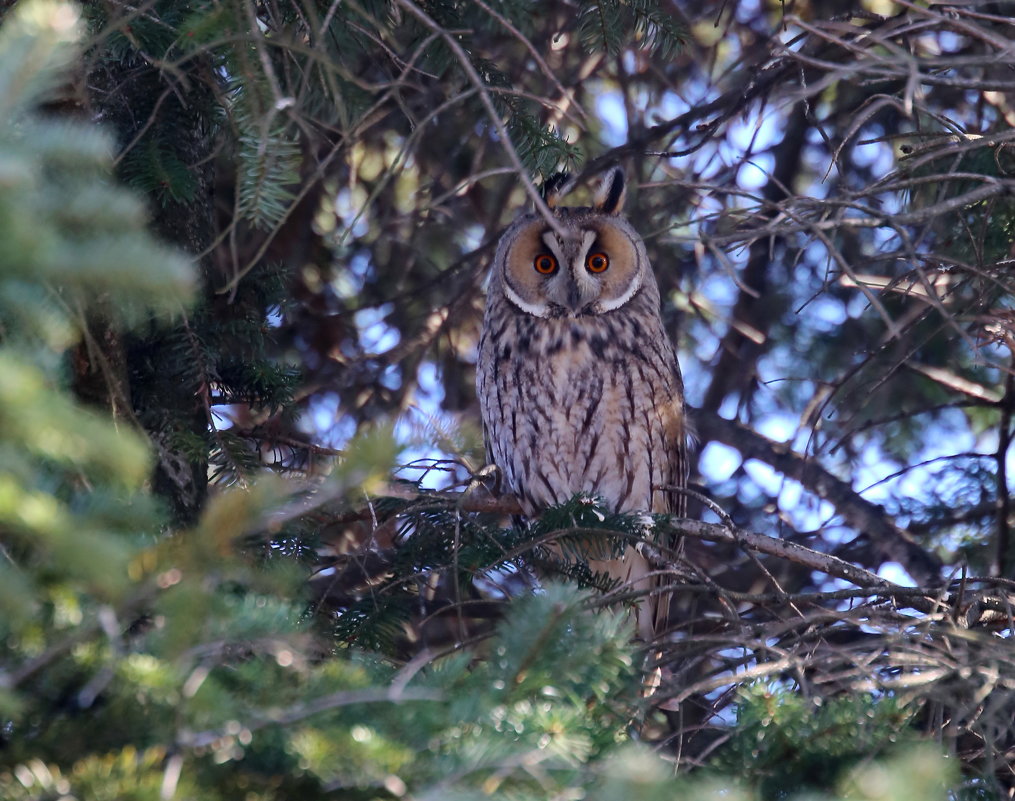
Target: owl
x,y
579,387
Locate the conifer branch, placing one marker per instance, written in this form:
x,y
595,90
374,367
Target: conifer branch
x,y
465,63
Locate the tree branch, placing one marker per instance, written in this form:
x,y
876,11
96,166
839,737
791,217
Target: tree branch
x,y
891,541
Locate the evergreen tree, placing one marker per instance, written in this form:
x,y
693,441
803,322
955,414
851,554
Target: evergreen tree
x,y
247,546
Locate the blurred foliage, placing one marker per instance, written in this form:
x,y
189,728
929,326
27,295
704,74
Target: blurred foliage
x,y
796,744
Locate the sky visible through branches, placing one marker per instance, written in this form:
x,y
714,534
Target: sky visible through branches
x,y
746,148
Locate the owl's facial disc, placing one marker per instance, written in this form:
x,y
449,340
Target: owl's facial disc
x,y
594,270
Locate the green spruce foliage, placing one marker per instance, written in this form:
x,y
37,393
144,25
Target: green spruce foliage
x,y
795,744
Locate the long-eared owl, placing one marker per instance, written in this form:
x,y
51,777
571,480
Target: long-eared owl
x,y
578,383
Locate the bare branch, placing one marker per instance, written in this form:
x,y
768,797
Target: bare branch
x,y
866,517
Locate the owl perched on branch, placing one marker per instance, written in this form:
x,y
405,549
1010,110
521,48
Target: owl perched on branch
x,y
579,386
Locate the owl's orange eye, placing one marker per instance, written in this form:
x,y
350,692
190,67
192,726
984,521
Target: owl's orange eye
x,y
597,262
545,264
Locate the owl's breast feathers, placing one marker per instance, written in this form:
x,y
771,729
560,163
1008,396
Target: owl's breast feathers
x,y
588,404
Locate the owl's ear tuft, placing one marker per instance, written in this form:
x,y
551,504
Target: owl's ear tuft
x,y
555,187
610,193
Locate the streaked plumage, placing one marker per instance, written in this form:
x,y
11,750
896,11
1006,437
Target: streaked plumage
x,y
578,383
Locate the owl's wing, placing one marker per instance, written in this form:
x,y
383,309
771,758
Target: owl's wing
x,y
678,441
680,469
675,501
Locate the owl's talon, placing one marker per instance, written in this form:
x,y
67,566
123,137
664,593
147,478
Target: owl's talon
x,y
489,476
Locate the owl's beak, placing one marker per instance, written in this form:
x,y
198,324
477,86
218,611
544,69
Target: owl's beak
x,y
571,293
581,293
575,302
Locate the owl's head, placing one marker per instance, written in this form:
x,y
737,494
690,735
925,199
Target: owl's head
x,y
595,263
